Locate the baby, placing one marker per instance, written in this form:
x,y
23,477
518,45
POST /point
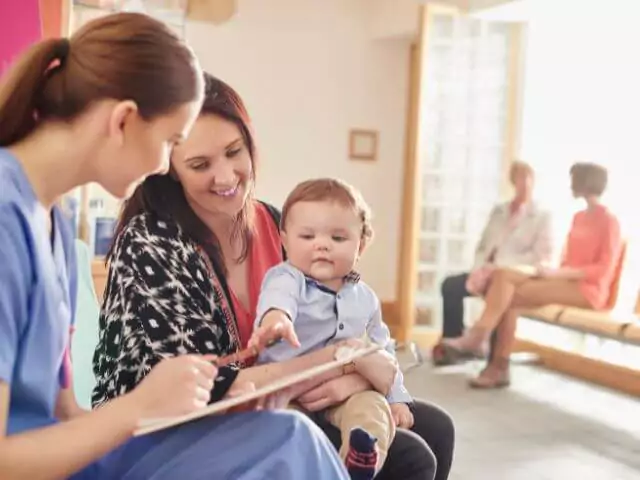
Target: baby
x,y
325,227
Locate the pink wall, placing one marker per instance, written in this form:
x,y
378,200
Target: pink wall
x,y
19,27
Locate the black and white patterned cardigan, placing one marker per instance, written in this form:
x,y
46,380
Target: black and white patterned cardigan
x,y
163,298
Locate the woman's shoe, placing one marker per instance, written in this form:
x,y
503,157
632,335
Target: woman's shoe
x,y
494,375
443,355
472,344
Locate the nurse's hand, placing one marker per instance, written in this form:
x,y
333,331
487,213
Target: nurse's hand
x,y
175,386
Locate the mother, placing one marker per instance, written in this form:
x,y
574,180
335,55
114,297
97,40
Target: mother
x,y
190,253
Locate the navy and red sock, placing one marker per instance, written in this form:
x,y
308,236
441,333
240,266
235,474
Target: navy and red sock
x,y
362,456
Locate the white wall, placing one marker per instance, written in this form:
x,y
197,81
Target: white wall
x,y
309,71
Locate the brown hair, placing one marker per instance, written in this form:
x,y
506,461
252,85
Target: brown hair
x,y
124,56
332,190
163,195
518,166
588,179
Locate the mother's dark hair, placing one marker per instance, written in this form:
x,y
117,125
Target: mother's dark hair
x,y
163,195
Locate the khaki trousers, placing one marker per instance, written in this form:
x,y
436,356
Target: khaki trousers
x,y
367,410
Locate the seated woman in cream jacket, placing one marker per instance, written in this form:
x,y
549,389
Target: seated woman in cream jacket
x,y
517,235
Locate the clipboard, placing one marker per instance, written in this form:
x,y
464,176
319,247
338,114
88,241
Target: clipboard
x,y
153,425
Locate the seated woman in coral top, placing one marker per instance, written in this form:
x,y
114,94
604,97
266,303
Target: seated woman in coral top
x,y
583,280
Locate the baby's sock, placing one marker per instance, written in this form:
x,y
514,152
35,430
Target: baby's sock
x,y
362,456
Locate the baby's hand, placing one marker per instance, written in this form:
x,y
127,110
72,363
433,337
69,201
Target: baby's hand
x,y
402,415
274,326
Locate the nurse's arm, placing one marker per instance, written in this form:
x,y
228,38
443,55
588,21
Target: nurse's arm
x,y
65,448
67,407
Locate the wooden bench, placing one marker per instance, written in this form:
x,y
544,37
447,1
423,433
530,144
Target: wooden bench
x,y
624,328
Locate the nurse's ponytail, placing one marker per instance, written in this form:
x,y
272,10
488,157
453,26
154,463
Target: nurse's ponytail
x,y
21,85
124,56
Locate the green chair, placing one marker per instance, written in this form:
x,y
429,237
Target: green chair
x,y
85,337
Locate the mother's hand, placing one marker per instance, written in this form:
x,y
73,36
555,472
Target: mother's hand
x,y
275,400
379,368
332,392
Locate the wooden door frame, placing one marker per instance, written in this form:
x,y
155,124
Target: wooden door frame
x,y
404,311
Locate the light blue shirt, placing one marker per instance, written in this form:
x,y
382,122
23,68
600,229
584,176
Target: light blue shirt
x,y
321,316
37,277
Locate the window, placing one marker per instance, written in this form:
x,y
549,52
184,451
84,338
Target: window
x,y
582,103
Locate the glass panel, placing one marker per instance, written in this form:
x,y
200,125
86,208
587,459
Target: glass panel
x,y
462,135
431,218
427,282
442,27
432,187
429,250
433,157
457,221
456,253
455,156
457,190
485,162
441,56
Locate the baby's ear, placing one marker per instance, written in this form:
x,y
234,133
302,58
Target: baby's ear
x,y
283,239
364,243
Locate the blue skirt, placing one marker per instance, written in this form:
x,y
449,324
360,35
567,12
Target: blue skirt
x,y
279,445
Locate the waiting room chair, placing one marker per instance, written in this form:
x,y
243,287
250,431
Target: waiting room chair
x,y
85,335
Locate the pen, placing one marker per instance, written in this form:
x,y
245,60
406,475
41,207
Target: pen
x,y
241,355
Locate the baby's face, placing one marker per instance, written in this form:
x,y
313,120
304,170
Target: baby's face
x,y
323,240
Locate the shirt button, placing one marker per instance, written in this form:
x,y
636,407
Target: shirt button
x,y
341,326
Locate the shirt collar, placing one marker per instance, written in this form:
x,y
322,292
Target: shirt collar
x,y
352,277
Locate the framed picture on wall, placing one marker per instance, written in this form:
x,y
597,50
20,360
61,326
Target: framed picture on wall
x,y
363,144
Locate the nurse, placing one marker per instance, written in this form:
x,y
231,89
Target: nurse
x,y
107,106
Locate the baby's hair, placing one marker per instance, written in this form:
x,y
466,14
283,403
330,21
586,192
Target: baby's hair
x,y
333,190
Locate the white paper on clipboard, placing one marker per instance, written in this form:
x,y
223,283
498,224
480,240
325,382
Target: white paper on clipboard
x,y
154,425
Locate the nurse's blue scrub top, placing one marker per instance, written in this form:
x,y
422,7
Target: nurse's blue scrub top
x,y
37,298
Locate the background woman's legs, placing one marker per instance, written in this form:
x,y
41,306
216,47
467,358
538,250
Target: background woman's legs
x,y
454,291
502,288
496,373
499,296
268,445
530,294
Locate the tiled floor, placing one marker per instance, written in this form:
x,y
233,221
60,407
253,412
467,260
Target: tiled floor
x,y
545,427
